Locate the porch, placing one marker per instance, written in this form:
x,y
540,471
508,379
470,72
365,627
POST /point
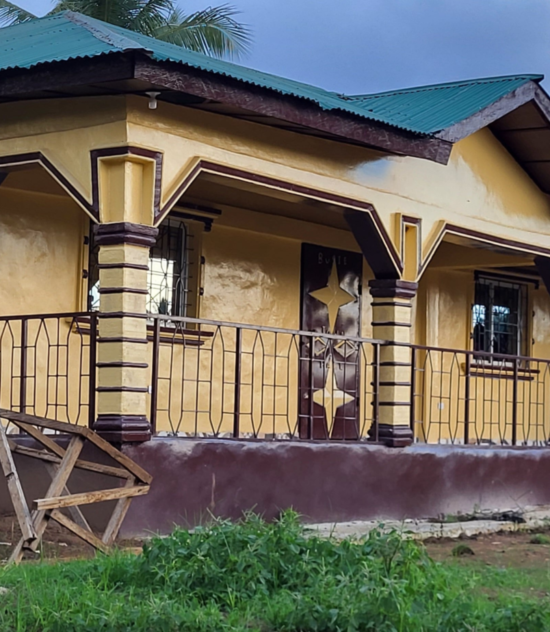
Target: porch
x,y
220,380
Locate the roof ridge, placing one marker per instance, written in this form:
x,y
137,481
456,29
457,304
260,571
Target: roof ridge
x,y
448,84
102,32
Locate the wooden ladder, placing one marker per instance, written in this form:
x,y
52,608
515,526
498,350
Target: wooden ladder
x,y
60,463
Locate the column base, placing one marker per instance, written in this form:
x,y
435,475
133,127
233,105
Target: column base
x,y
393,436
123,428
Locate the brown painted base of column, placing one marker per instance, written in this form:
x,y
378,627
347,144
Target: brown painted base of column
x,y
123,428
392,436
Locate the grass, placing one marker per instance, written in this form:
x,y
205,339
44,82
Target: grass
x,y
255,576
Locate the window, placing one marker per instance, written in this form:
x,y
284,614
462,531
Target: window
x,y
172,279
499,316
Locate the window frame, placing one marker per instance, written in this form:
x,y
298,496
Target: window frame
x,y
192,263
522,341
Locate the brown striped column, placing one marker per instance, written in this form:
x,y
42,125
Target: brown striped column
x,y
123,375
391,320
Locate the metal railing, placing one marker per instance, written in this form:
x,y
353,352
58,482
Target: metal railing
x,y
47,365
471,397
221,379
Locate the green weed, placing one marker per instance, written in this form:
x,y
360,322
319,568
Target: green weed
x,y
265,577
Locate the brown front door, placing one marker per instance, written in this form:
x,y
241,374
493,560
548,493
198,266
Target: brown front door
x,y
329,369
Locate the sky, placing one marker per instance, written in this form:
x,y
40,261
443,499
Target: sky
x,y
361,46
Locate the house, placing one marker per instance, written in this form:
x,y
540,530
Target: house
x,y
272,294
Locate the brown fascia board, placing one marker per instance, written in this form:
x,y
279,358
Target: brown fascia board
x,y
528,92
172,76
19,83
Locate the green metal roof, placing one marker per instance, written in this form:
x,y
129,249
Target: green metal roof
x,y
422,111
430,109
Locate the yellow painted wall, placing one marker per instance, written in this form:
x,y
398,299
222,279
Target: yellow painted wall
x,y
41,246
41,241
482,187
443,319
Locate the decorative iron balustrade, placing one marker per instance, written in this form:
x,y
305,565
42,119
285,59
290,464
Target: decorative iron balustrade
x,y
473,397
217,379
47,365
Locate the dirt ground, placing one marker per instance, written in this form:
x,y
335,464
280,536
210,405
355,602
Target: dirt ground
x,y
57,543
498,549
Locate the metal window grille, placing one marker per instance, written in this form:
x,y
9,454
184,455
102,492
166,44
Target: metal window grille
x,y
171,271
499,317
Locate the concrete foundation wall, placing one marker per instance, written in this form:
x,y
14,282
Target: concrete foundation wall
x,y
329,482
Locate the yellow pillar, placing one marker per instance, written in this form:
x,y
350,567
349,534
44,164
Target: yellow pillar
x,y
391,321
124,236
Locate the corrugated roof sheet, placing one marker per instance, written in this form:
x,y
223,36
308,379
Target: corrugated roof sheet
x,y
423,111
429,109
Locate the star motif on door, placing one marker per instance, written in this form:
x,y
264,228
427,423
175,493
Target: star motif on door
x,y
333,296
330,397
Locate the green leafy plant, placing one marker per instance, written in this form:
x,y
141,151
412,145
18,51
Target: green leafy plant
x,y
266,577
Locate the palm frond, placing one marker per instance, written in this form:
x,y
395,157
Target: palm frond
x,y
12,14
150,16
213,31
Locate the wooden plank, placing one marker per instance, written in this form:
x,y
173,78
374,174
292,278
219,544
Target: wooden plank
x,y
90,466
86,498
117,517
17,495
37,434
76,513
40,518
118,456
87,536
41,422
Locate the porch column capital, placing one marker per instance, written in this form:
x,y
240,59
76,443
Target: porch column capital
x,y
392,288
392,322
116,233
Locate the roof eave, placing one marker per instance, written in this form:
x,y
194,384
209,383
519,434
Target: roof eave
x,y
117,66
295,110
508,103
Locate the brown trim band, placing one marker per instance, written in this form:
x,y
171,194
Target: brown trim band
x,y
118,266
394,383
122,315
122,290
392,403
135,341
122,389
393,363
116,365
391,304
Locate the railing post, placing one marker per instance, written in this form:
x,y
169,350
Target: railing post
x,y
155,376
515,402
92,370
467,377
23,366
412,411
237,396
310,391
376,390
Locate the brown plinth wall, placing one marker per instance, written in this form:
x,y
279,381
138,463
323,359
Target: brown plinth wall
x,y
324,482
329,482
